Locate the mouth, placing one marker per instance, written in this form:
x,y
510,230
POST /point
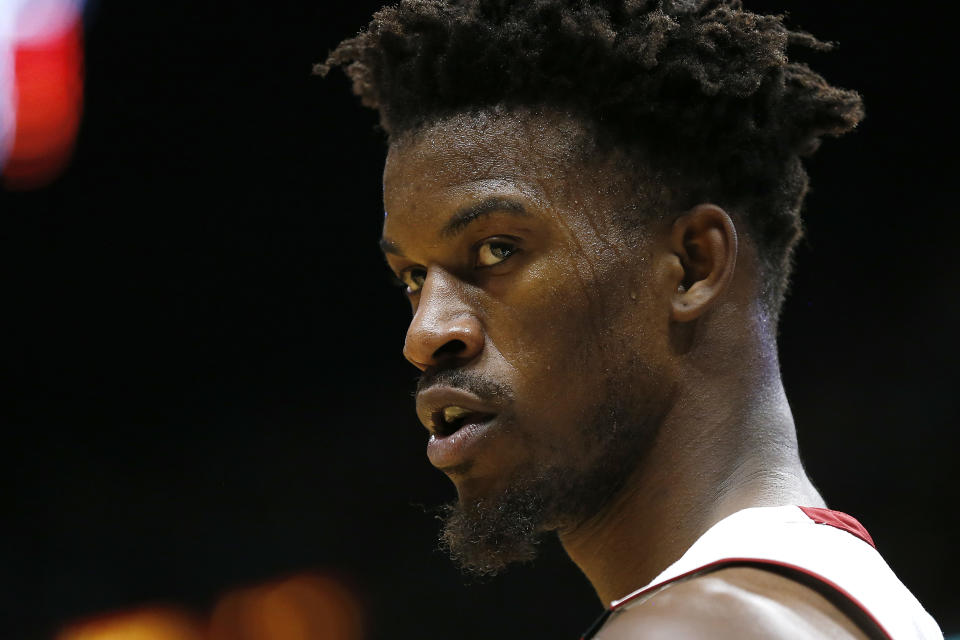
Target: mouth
x,y
448,411
460,424
449,419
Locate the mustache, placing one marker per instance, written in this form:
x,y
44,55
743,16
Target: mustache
x,y
475,383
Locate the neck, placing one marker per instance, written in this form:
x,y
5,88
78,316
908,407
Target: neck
x,y
721,448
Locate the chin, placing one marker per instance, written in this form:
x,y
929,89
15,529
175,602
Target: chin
x,y
473,484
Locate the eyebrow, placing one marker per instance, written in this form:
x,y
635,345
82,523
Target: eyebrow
x,y
469,214
464,217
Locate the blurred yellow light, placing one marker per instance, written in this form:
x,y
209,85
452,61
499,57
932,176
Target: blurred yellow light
x,y
144,624
299,608
304,607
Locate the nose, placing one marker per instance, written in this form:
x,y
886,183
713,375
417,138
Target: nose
x,y
444,329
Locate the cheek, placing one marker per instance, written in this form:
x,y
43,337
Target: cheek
x,y
535,324
561,330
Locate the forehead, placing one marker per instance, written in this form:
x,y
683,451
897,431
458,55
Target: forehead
x,y
514,151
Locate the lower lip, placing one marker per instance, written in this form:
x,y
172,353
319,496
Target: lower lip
x,y
459,446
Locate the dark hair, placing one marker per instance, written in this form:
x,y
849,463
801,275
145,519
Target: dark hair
x,y
701,87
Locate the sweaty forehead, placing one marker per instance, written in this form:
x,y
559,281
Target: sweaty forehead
x,y
520,147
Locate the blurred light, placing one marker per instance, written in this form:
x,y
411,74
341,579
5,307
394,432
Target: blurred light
x,y
144,624
41,88
305,607
302,607
7,103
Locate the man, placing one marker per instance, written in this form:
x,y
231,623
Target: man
x,y
593,208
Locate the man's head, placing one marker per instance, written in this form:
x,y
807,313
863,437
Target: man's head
x,y
547,190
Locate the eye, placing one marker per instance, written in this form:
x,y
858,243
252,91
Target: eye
x,y
413,278
493,252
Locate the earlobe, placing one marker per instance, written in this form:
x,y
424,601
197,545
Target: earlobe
x,y
705,241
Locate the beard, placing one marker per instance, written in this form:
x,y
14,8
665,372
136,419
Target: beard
x,y
486,535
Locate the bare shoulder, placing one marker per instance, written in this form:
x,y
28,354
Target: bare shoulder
x,y
739,602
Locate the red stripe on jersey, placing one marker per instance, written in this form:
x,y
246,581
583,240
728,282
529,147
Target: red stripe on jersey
x,y
839,520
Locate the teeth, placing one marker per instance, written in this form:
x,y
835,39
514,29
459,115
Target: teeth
x,y
451,414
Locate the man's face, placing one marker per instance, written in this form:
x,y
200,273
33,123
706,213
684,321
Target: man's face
x,y
537,320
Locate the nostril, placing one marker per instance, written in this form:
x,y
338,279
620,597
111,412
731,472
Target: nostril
x,y
451,348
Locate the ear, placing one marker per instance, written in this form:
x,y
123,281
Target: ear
x,y
705,241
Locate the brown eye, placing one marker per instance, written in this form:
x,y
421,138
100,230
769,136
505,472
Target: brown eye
x,y
414,279
493,252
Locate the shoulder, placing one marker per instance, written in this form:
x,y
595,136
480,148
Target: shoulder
x,y
737,602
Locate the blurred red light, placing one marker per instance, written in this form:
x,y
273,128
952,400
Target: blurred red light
x,y
48,77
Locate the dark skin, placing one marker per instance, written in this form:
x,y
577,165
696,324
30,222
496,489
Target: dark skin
x,y
540,287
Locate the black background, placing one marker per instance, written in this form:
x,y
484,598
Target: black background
x,y
202,354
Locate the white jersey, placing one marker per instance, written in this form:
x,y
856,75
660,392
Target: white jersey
x,y
826,550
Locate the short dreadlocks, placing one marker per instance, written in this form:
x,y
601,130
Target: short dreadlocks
x,y
702,87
